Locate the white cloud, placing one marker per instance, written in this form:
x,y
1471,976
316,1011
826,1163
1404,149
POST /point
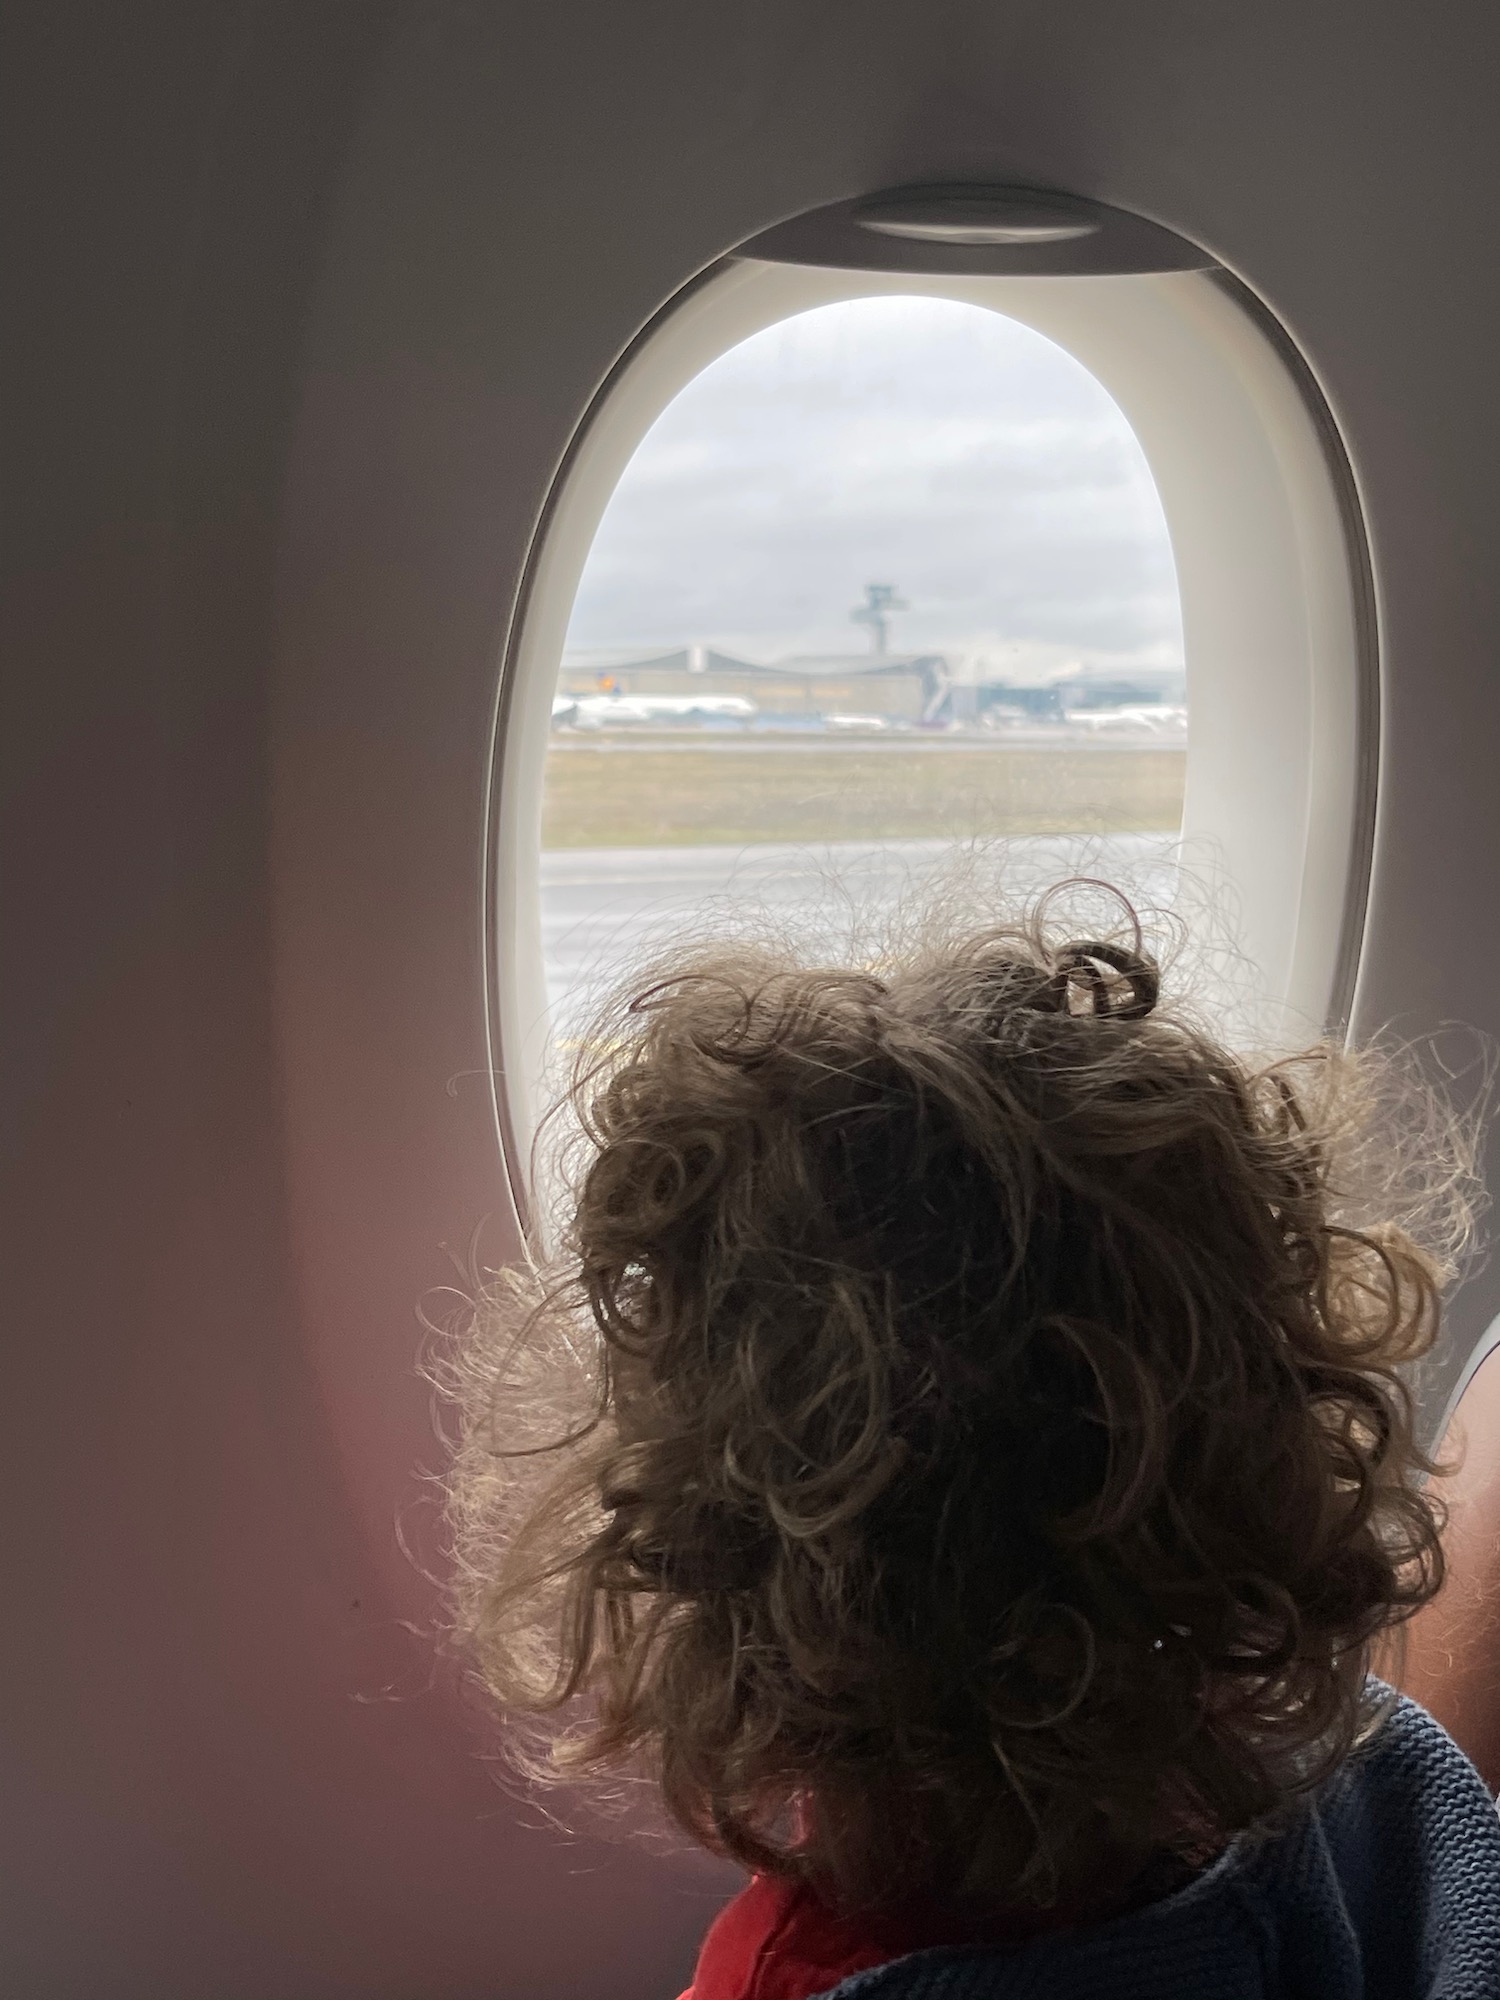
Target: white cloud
x,y
937,446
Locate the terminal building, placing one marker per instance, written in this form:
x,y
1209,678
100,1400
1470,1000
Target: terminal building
x,y
897,687
909,690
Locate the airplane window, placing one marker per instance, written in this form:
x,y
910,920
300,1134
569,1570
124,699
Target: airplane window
x,y
890,576
843,570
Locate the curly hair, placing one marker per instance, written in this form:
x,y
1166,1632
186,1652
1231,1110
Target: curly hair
x,y
959,1444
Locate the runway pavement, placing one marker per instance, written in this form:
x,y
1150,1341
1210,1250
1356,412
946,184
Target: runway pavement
x,y
604,909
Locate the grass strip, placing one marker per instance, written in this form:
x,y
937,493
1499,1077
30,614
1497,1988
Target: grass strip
x,y
687,798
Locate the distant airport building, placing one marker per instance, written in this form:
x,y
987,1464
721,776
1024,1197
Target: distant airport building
x,y
699,683
1074,690
900,687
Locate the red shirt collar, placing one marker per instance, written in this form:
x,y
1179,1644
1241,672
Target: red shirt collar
x,y
776,1941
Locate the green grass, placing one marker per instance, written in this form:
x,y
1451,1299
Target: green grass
x,y
692,798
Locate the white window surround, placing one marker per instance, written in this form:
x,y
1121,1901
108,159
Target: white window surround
x,y
1272,572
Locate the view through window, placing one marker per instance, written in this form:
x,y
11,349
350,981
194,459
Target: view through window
x,y
888,577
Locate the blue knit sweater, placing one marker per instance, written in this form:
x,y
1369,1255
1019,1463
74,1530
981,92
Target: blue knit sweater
x,y
1387,1888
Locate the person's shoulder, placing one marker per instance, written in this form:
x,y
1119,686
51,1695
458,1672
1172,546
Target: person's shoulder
x,y
1398,1857
1409,1766
1393,1867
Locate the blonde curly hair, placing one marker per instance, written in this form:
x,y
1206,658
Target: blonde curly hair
x,y
959,1445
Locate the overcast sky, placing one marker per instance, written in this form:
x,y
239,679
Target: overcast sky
x,y
935,446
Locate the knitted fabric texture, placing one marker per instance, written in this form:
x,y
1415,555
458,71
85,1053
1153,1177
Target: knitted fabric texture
x,y
1387,1887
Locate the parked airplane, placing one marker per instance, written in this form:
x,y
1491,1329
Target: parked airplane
x,y
610,711
1157,721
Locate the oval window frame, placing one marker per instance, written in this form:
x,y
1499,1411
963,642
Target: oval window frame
x,y
1273,568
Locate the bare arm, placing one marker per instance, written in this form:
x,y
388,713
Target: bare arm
x,y
1453,1650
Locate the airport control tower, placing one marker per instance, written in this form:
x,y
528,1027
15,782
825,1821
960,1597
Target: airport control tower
x,y
880,601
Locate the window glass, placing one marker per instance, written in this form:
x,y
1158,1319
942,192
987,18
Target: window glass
x,y
889,577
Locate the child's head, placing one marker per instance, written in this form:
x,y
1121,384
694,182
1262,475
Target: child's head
x,y
981,1447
